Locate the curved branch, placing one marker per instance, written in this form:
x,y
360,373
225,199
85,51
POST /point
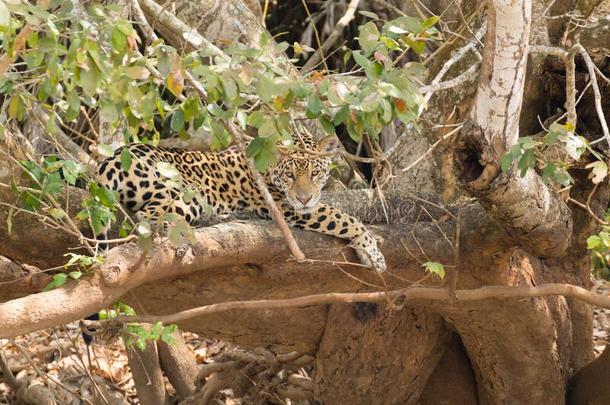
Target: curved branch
x,y
403,296
254,243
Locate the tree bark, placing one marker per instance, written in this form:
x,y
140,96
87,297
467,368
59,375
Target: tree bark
x,y
179,365
531,212
146,373
354,353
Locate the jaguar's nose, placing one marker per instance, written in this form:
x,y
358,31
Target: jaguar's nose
x,y
304,198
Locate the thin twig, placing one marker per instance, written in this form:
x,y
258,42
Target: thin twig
x,y
276,214
598,97
431,148
568,57
459,54
409,293
315,31
334,35
469,74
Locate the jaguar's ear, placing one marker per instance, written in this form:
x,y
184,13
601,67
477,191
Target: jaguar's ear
x,y
329,143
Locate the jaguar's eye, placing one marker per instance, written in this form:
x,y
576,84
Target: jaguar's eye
x,y
290,176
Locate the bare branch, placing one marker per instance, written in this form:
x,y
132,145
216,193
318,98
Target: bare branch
x,y
62,142
568,58
189,35
410,294
343,22
459,54
276,214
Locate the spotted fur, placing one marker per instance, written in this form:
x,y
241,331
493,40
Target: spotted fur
x,y
224,182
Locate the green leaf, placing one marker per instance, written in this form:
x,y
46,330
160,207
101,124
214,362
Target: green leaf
x,y
549,171
341,115
167,334
266,158
368,37
53,184
109,110
89,80
327,125
263,39
436,268
229,86
16,109
58,280
137,72
282,46
267,89
370,102
429,22
268,129
105,196
314,106
526,162
256,119
75,274
57,213
177,122
361,59
255,147
563,177
599,171
506,161
369,14
125,159
141,344
408,23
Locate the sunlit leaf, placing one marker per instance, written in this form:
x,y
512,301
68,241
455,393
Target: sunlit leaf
x,y
436,268
599,171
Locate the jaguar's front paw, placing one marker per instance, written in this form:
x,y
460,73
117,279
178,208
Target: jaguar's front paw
x,y
368,252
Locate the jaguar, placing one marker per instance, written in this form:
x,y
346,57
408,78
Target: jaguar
x,y
224,183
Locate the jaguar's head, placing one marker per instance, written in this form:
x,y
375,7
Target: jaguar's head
x,y
301,175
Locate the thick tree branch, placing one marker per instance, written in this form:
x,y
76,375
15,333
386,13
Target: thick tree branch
x,y
233,244
500,90
531,212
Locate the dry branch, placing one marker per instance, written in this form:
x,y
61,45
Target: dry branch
x,y
343,22
403,296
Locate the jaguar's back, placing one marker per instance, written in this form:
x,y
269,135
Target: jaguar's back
x,y
164,179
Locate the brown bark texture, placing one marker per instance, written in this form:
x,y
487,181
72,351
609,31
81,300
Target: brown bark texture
x,y
147,376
